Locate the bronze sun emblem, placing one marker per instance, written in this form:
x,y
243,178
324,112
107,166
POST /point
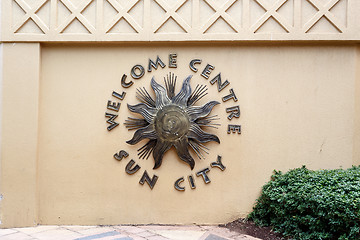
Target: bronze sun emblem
x,y
171,120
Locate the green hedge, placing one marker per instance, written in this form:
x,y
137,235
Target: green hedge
x,y
307,204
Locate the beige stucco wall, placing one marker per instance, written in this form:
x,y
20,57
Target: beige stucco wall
x,y
19,134
357,113
297,108
293,64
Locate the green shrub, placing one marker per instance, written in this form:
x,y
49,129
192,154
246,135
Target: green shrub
x,y
307,204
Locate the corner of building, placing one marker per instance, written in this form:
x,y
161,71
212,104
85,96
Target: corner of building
x,y
356,147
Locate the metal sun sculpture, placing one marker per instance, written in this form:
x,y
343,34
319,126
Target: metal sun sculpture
x,y
172,120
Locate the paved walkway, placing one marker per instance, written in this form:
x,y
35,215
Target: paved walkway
x,y
123,232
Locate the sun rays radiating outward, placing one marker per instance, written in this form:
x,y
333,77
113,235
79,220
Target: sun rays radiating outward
x,y
172,120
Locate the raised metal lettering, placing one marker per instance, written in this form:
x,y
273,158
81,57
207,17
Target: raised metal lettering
x,y
126,84
192,63
111,121
204,175
134,74
218,164
131,170
234,112
154,65
234,129
122,154
115,106
119,96
220,85
150,181
177,184
207,70
230,96
191,182
172,60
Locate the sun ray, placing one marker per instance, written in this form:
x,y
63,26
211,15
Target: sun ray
x,y
196,112
182,150
143,133
182,97
170,83
198,148
135,123
208,121
161,96
146,150
197,133
147,112
145,97
199,92
195,149
159,150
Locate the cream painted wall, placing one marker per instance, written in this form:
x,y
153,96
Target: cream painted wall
x,y
297,108
19,134
356,154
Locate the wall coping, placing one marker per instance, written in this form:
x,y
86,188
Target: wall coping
x,y
180,21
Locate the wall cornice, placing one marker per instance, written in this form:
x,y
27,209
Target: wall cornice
x,y
182,20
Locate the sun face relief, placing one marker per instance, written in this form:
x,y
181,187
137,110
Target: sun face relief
x,y
172,120
171,123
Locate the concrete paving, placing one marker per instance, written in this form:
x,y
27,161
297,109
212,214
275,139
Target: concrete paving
x,y
122,232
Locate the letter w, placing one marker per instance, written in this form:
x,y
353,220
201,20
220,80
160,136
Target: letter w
x,y
111,121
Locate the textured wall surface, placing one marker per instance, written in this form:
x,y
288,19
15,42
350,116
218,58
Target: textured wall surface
x,y
297,108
